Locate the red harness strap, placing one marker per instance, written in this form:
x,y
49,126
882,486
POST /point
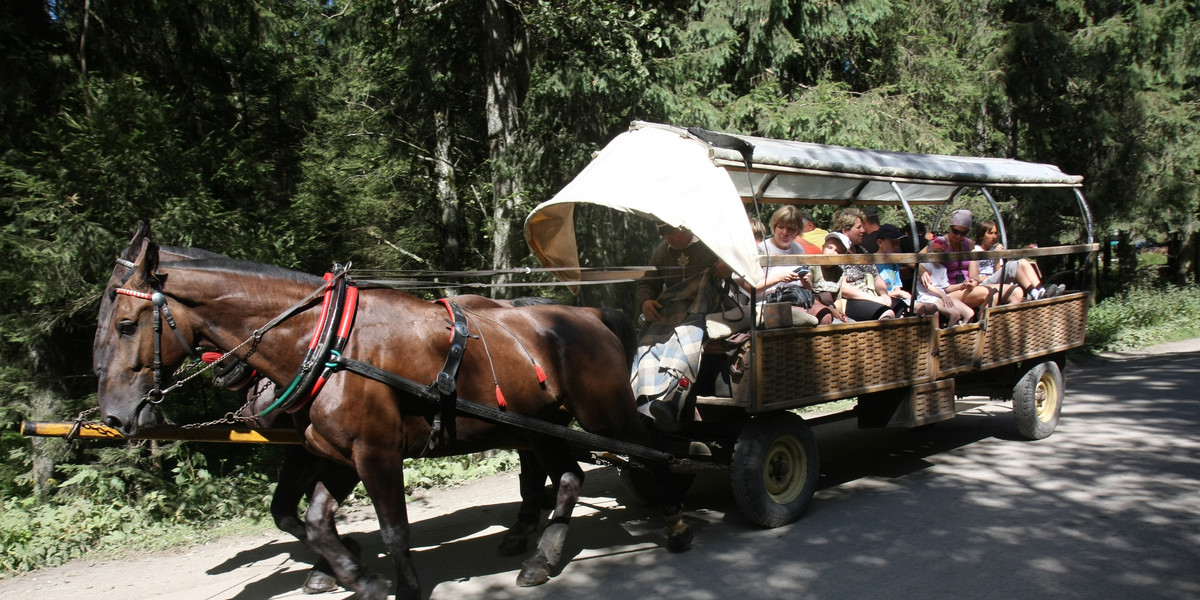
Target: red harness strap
x,y
350,307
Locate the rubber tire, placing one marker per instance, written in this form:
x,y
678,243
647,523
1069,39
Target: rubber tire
x,y
775,469
1038,400
643,489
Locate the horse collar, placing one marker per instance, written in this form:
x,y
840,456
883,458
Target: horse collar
x,y
339,308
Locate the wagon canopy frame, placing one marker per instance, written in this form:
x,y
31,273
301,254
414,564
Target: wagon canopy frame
x,y
700,180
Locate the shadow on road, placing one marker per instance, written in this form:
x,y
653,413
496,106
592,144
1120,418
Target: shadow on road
x,y
1105,507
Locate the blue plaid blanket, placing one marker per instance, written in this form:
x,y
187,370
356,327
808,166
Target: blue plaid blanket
x,y
669,351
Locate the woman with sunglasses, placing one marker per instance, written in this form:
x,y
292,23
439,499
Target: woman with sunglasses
x,y
961,274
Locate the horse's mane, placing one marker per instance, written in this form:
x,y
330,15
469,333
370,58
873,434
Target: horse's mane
x,y
209,261
191,253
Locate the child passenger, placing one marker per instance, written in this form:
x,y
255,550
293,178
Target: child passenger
x,y
888,237
934,298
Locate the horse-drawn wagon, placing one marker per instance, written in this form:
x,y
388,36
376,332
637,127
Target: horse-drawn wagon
x,y
904,372
745,406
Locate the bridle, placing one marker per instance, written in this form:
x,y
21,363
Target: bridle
x,y
158,299
155,396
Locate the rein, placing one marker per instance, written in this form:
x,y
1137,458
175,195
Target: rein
x,y
159,299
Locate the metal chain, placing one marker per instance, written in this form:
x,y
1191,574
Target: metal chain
x,y
234,417
79,423
254,337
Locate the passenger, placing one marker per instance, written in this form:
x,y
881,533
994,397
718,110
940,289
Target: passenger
x,y
826,280
785,225
958,272
865,293
858,288
933,296
870,239
758,229
1020,270
889,237
849,221
674,301
811,233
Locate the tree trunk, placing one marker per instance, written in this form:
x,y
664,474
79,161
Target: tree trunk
x,y
46,453
1188,261
506,74
444,176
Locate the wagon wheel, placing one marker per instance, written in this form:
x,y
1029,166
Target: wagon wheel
x,y
642,487
775,469
1037,400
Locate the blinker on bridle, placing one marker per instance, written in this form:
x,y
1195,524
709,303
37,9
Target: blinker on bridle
x,y
159,300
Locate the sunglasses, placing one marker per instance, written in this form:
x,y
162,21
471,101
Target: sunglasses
x,y
958,232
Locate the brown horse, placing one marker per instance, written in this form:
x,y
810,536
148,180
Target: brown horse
x,y
548,362
302,474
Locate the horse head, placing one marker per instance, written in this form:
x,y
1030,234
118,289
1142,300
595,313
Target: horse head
x,y
128,355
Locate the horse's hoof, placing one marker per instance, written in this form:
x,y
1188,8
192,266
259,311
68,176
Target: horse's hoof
x,y
374,587
319,582
516,540
513,544
535,571
680,541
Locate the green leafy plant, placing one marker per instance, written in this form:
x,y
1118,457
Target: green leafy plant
x,y
1143,316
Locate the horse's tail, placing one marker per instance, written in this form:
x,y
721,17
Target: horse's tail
x,y
622,327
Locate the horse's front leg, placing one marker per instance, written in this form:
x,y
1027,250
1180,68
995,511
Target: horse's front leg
x,y
533,500
295,480
383,475
339,557
558,461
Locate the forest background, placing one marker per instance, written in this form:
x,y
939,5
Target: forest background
x,y
416,136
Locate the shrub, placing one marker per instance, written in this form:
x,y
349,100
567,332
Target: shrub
x,y
1143,316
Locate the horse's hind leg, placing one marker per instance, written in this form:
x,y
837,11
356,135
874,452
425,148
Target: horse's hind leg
x,y
533,486
679,534
556,458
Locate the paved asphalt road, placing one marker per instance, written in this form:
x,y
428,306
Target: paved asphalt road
x,y
1107,507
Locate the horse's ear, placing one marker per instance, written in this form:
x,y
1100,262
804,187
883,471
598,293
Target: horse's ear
x,y
137,245
147,262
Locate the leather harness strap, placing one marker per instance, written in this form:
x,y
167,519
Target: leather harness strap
x,y
447,379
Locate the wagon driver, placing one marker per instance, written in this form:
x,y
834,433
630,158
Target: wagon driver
x,y
673,301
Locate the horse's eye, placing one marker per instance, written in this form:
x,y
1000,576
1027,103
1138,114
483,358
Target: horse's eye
x,y
127,327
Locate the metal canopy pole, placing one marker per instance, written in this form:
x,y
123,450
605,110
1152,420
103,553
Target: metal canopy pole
x,y
912,227
999,218
1087,215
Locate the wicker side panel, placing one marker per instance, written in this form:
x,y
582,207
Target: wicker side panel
x,y
926,403
1021,331
933,402
800,366
958,349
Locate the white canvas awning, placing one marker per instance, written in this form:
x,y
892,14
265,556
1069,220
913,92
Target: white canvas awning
x,y
699,180
659,174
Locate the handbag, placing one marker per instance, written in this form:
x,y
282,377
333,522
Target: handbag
x,y
792,294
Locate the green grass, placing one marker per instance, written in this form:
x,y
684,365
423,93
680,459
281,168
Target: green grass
x,y
1144,316
98,515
